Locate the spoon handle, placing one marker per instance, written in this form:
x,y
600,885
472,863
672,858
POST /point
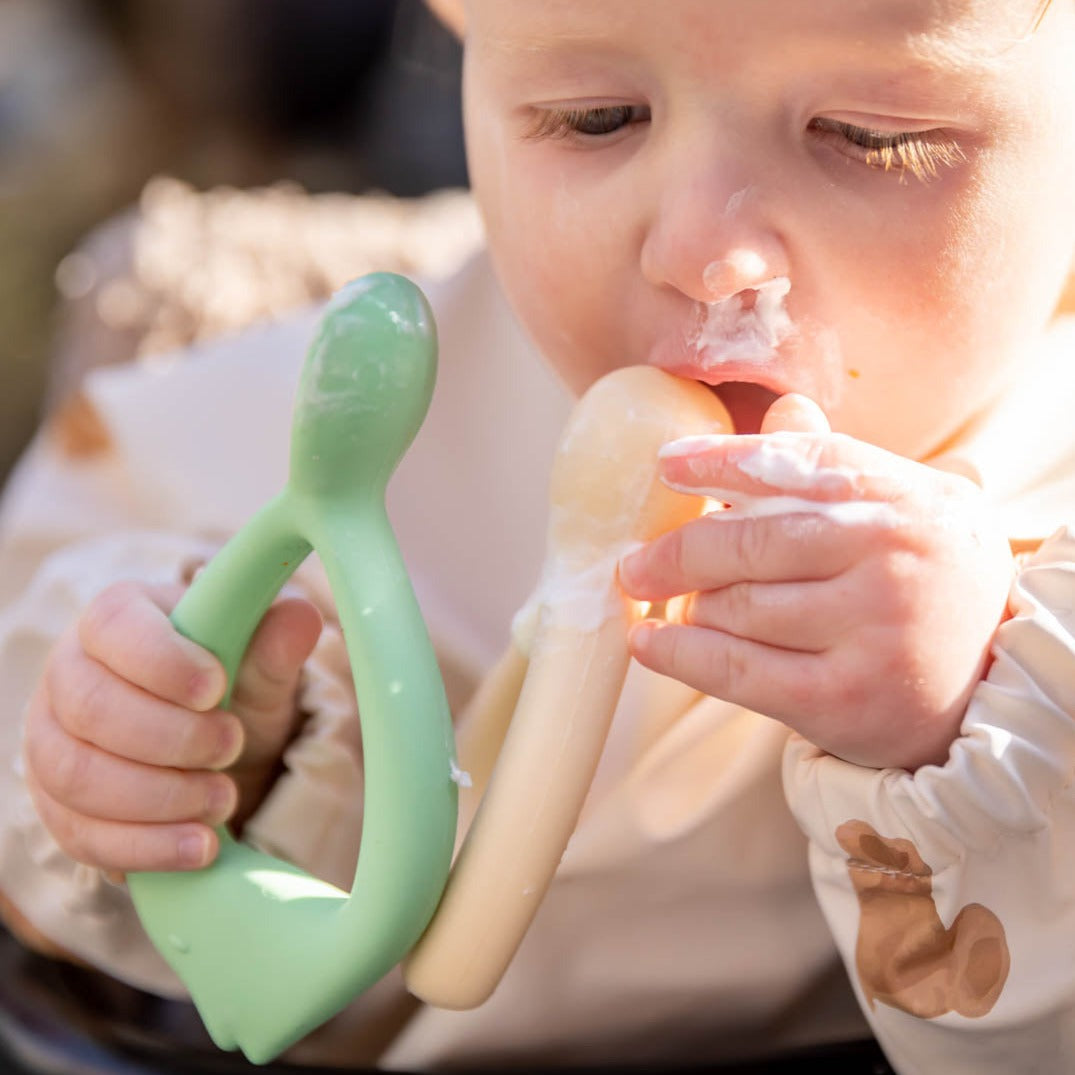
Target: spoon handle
x,y
228,598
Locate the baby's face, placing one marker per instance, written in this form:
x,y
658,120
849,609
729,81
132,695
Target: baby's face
x,y
868,203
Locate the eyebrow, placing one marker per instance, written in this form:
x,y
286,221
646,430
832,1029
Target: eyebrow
x,y
966,54
537,43
931,45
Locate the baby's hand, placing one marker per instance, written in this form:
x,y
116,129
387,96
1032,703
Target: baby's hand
x,y
126,746
848,592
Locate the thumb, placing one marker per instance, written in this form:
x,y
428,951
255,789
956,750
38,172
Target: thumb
x,y
265,686
795,414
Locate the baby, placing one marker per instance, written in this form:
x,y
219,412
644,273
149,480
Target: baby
x,y
855,223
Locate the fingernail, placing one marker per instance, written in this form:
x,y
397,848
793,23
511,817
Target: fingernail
x,y
220,801
230,745
699,442
193,849
628,566
640,635
207,686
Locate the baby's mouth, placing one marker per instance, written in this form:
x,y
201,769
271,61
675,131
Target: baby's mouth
x,y
746,402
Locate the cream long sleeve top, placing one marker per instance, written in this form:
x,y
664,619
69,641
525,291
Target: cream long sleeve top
x,y
721,867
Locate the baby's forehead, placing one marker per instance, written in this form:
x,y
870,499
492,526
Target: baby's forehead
x,y
978,28
978,23
938,38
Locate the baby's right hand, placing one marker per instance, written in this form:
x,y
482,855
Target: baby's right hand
x,y
125,743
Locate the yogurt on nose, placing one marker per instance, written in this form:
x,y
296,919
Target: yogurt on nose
x,y
747,326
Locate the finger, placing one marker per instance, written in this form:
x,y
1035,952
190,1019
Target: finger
x,y
93,704
122,847
794,413
821,696
91,781
780,683
810,617
720,549
813,467
268,678
127,629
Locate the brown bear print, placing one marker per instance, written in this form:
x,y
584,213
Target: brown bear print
x,y
905,957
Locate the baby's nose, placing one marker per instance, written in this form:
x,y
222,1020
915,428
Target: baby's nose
x,y
739,272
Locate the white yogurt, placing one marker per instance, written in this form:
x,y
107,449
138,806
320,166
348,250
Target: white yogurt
x,y
732,332
780,463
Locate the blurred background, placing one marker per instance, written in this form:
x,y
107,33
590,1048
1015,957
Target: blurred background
x,y
166,109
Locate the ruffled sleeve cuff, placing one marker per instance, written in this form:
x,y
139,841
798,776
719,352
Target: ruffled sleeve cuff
x,y
949,890
72,905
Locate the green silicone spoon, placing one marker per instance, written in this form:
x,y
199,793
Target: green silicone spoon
x,y
267,951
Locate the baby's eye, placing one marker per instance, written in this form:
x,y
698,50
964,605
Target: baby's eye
x,y
587,122
923,154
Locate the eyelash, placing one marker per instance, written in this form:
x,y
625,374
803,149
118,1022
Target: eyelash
x,y
605,120
923,154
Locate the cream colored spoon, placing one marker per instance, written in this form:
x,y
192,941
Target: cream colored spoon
x,y
604,497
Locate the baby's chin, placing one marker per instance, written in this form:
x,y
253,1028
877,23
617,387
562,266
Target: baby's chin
x,y
746,403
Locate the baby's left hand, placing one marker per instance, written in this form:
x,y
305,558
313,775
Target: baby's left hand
x,y
848,592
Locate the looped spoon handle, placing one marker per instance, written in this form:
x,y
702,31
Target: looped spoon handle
x,y
267,951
